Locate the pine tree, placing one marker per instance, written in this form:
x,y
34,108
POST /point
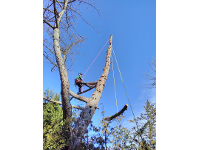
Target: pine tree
x,y
52,123
145,136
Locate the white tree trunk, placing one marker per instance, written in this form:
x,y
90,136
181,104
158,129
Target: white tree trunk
x,y
63,77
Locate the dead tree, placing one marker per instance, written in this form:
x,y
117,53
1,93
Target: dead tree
x,y
52,17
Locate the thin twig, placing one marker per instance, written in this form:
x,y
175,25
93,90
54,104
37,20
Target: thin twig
x,y
48,24
84,19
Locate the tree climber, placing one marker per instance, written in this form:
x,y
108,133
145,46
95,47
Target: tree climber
x,y
79,82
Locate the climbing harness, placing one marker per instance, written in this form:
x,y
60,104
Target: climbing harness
x,y
76,80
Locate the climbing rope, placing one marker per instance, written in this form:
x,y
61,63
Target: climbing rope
x,y
95,58
125,88
93,62
114,84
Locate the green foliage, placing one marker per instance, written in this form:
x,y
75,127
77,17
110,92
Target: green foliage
x,y
52,123
55,131
145,137
110,135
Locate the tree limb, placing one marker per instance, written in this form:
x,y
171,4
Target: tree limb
x,y
71,1
116,114
60,5
50,100
86,115
60,103
84,19
60,14
91,6
49,49
83,92
50,61
87,90
48,10
48,23
55,13
81,98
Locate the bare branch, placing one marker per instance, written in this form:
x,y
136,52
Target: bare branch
x,y
84,19
49,49
81,98
71,1
151,76
116,114
86,90
60,103
48,10
50,61
91,6
50,100
60,5
44,21
56,13
78,107
60,14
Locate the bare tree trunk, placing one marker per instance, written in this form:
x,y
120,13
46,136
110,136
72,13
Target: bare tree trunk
x,y
66,106
86,115
52,17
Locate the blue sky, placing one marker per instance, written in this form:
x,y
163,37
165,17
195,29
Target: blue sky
x,y
133,26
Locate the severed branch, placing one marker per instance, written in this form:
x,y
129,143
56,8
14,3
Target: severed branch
x,y
60,103
117,114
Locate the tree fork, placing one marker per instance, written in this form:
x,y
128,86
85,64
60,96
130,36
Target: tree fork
x,y
86,115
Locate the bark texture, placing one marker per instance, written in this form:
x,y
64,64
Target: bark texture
x,y
117,114
53,14
66,106
86,115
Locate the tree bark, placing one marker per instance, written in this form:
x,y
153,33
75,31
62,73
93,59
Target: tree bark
x,y
86,115
116,114
65,92
66,105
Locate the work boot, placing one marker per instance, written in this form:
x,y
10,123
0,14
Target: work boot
x,y
79,91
